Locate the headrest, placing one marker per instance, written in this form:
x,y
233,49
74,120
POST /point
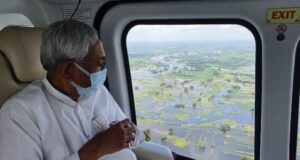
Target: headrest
x,y
21,46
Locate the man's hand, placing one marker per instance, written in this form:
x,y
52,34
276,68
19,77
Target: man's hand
x,y
117,137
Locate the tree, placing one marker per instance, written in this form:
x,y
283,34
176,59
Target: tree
x,y
162,84
169,86
194,105
186,90
164,139
215,73
166,69
147,135
245,158
201,145
191,87
148,130
236,87
224,128
170,131
179,105
154,71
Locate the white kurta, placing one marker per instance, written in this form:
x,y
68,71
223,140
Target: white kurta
x,y
42,123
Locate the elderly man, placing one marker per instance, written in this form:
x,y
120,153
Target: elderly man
x,y
68,115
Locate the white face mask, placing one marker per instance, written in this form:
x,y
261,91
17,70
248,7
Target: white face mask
x,y
97,80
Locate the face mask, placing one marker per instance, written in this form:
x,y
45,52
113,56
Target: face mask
x,y
97,80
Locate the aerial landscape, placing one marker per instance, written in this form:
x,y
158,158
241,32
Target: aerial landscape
x,y
197,98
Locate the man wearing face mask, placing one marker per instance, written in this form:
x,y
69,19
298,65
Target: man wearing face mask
x,y
68,115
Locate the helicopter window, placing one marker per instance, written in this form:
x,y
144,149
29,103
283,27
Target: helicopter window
x,y
194,87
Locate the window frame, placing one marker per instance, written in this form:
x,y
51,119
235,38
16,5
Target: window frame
x,y
258,64
295,105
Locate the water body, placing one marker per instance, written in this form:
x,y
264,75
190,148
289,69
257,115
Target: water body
x,y
213,138
242,116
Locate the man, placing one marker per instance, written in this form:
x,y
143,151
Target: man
x,y
68,115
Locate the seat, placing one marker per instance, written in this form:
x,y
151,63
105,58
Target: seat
x,y
20,65
19,59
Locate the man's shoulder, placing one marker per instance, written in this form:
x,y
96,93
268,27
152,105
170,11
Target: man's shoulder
x,y
103,92
31,94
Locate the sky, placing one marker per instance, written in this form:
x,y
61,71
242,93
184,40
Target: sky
x,y
159,33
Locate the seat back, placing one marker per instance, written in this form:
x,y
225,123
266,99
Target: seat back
x,y
19,59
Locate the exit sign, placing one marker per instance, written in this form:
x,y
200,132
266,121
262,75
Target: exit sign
x,y
283,16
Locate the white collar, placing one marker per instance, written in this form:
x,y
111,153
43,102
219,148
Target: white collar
x,y
57,94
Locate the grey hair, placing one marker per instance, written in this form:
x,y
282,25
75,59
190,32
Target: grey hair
x,y
66,40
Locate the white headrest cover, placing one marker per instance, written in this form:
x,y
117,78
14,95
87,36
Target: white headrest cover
x,y
21,46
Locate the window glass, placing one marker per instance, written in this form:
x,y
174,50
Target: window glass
x,y
194,88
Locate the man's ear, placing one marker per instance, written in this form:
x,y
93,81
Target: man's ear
x,y
66,69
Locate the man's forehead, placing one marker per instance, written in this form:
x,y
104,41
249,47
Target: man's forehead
x,y
95,52
97,47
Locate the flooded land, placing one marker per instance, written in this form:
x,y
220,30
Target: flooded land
x,y
197,98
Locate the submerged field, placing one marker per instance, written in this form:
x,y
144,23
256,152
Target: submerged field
x,y
196,98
